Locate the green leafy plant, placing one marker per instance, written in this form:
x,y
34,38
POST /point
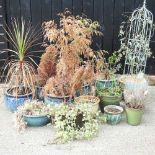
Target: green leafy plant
x,y
20,69
75,122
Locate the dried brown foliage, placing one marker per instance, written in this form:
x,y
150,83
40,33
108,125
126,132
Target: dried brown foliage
x,y
67,65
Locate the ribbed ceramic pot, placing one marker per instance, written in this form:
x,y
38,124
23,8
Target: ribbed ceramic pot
x,y
56,100
113,117
94,101
13,102
134,116
36,120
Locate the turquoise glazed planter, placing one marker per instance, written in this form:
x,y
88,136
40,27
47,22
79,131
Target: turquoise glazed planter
x,y
56,100
101,84
113,114
13,102
36,120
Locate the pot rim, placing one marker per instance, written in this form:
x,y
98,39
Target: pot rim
x,y
133,109
113,106
103,80
34,116
87,96
60,97
18,96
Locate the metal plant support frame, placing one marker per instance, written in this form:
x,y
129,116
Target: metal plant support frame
x,y
139,35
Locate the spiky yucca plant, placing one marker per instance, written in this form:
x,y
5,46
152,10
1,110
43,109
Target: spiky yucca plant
x,y
20,74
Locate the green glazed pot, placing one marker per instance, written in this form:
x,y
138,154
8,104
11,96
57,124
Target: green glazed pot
x,y
134,116
114,116
110,100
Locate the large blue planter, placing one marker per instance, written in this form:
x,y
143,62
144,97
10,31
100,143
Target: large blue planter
x,y
101,84
36,120
12,102
56,100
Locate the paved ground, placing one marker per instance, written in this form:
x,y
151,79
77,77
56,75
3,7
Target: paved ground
x,y
121,139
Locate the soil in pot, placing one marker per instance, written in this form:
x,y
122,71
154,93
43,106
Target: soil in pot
x,y
16,91
134,114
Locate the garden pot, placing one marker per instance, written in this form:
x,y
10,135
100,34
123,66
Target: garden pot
x,y
85,89
40,120
53,100
109,100
90,100
39,93
134,116
113,114
101,84
12,102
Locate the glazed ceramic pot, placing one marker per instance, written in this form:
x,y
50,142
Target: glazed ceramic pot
x,y
85,89
113,114
53,100
12,102
94,101
36,120
134,116
39,93
101,84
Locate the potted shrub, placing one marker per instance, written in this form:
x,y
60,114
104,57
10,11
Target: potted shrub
x,y
32,113
110,96
134,96
113,114
75,122
20,71
105,70
67,63
92,100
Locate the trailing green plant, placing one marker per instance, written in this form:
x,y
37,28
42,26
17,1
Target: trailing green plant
x,y
20,69
75,122
31,108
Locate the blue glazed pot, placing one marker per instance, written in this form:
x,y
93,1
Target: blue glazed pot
x,y
114,116
12,102
56,100
36,120
86,91
101,84
39,93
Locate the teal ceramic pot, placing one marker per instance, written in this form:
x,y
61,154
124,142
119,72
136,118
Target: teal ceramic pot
x,y
56,100
113,114
13,102
36,120
101,84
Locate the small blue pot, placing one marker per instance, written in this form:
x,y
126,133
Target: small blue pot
x,y
12,102
86,91
113,118
56,100
101,84
36,120
39,93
